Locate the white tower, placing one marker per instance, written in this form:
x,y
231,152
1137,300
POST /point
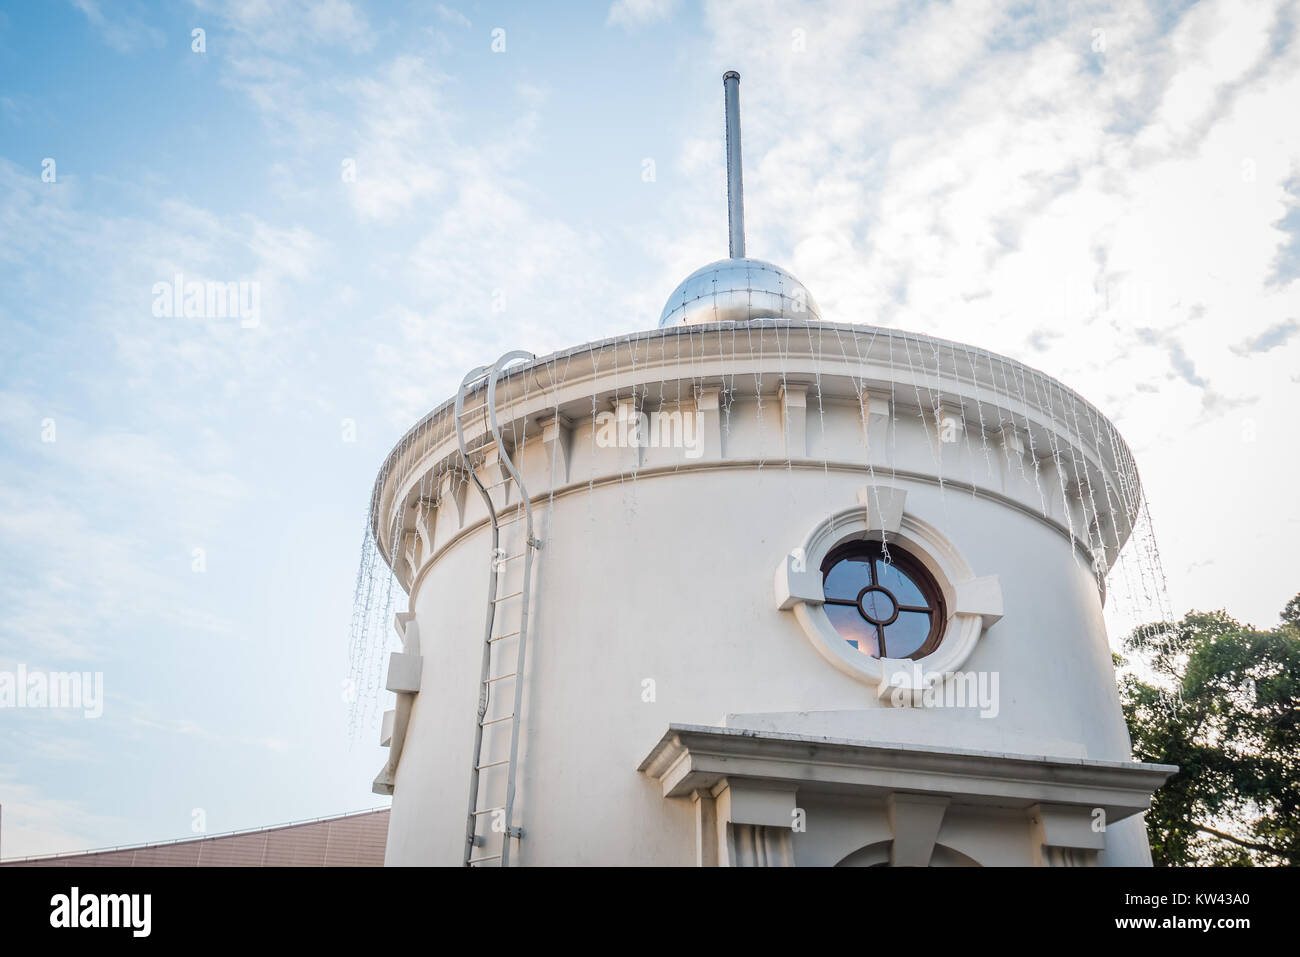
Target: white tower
x,y
758,588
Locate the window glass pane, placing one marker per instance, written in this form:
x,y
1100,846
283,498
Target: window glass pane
x,y
853,629
846,579
907,634
897,581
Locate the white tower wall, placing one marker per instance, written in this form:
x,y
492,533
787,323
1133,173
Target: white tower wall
x,y
657,566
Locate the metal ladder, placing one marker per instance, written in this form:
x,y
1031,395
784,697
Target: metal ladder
x,y
500,817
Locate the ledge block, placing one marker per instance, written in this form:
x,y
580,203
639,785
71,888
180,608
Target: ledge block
x,y
403,673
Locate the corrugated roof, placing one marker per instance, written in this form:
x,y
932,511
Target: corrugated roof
x,y
348,840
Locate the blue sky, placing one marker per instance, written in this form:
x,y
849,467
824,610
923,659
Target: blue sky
x,y
1110,193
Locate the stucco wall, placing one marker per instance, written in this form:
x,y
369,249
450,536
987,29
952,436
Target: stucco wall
x,y
658,566
670,579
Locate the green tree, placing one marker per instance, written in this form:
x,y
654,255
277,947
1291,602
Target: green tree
x,y
1218,699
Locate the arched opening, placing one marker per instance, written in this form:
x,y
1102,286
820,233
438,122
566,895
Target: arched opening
x,y
877,855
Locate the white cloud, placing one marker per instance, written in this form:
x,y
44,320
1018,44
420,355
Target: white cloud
x,y
405,147
337,21
288,25
123,32
293,252
634,13
36,824
452,15
79,563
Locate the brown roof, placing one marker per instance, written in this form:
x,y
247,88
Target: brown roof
x,y
349,840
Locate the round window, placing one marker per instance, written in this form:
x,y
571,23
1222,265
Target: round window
x,y
882,601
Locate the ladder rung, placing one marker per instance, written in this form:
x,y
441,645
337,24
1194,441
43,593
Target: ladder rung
x,y
512,674
515,594
480,860
489,810
494,764
510,558
509,717
497,638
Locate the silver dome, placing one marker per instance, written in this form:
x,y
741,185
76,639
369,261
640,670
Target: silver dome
x,y
738,290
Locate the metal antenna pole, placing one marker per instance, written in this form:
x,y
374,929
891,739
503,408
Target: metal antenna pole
x,y
735,189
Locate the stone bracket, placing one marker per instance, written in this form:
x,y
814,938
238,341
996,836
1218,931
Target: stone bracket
x,y
794,582
980,596
708,405
751,802
452,487
884,505
404,669
403,673
1067,835
794,420
915,820
557,437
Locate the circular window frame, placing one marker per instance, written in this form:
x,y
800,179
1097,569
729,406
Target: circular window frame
x,y
916,572
970,604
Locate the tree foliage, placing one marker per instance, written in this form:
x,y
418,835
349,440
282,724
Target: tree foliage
x,y
1219,699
